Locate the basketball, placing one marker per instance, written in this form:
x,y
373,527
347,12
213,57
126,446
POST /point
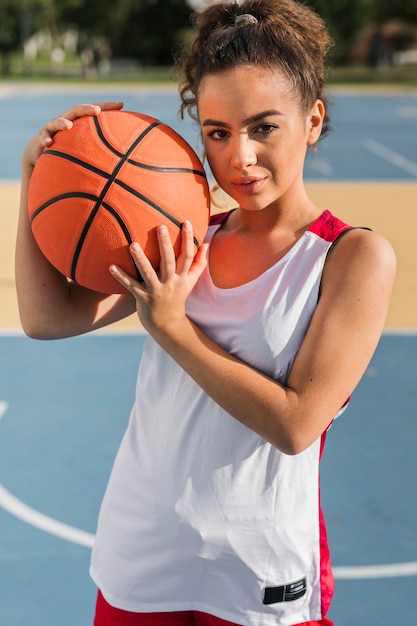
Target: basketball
x,y
108,181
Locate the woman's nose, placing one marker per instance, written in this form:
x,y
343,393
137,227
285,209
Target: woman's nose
x,y
243,153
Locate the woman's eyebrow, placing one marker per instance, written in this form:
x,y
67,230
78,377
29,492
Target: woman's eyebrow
x,y
260,116
250,120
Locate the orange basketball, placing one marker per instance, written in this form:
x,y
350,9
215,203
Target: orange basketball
x,y
111,180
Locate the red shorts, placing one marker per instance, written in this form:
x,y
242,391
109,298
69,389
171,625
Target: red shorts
x,y
107,615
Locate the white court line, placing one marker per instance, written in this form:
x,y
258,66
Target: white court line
x,y
25,513
322,166
393,570
3,408
395,158
407,112
39,520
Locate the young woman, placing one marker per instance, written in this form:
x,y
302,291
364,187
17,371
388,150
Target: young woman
x,y
212,512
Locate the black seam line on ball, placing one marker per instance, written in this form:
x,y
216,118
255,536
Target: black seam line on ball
x,y
122,160
106,206
125,230
80,162
62,196
108,145
155,168
155,206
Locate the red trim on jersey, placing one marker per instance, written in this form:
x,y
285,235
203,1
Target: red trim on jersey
x,y
326,574
328,226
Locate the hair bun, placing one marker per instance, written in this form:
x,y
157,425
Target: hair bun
x,y
244,19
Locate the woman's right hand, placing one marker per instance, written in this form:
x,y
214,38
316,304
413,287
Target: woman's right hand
x,y
45,137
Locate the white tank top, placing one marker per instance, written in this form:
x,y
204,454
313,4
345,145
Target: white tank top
x,y
200,512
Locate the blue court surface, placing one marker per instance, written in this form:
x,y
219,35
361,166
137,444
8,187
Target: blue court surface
x,y
64,406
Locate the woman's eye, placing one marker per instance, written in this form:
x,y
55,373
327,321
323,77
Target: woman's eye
x,y
265,129
218,134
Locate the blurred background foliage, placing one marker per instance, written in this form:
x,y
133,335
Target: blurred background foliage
x,y
110,38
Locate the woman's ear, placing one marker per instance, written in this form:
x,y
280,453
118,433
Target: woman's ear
x,y
315,119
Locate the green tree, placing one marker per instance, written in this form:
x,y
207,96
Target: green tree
x,y
344,19
152,31
97,23
383,10
394,28
18,20
96,17
9,33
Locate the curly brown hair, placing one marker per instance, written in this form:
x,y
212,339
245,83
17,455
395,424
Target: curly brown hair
x,y
286,35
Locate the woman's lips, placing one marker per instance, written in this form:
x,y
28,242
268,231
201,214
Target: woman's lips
x,y
247,184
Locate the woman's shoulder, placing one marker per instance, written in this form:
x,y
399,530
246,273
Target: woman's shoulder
x,y
361,252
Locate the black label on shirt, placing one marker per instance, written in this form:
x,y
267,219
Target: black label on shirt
x,y
285,593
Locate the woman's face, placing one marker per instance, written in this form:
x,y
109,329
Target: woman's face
x,y
255,135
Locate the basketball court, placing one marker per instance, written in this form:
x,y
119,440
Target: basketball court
x,y
64,405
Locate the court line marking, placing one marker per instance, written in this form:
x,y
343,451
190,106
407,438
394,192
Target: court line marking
x,y
407,111
395,158
31,516
52,526
393,570
35,518
320,165
3,408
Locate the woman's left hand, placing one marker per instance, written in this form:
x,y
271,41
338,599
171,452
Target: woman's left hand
x,y
161,297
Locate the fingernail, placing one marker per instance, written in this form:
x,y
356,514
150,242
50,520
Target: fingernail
x,y
135,247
